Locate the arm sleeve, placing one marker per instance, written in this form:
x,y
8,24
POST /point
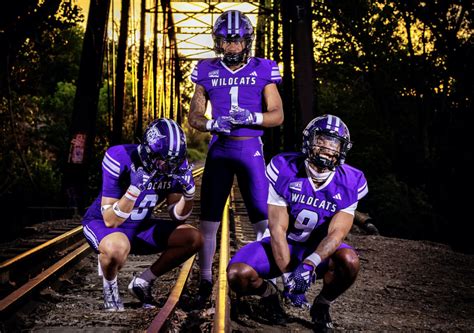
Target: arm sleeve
x,y
195,73
275,76
112,167
274,198
351,209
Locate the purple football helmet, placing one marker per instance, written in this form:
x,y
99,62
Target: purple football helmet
x,y
326,128
233,26
163,148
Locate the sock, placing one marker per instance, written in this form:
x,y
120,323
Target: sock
x,y
148,275
260,228
108,283
99,268
322,300
206,255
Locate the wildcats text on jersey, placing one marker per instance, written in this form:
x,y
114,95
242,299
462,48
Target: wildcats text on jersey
x,y
312,201
159,185
233,81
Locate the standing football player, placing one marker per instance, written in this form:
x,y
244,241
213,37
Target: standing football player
x,y
136,178
240,88
311,204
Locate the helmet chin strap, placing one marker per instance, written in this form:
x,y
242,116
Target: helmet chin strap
x,y
318,177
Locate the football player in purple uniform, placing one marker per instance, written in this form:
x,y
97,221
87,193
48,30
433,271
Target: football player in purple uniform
x,y
239,88
135,178
311,204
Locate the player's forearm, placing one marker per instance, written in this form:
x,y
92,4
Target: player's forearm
x,y
197,110
329,245
181,210
280,250
273,117
116,213
197,121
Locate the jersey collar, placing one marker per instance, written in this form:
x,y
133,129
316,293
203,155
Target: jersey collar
x,y
238,69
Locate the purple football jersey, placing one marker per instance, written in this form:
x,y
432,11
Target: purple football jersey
x,y
310,208
242,87
116,179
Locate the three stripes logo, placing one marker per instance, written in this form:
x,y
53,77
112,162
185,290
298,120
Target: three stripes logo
x,y
254,73
337,196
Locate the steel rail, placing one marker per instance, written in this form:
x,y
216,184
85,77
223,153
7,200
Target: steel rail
x,y
221,318
16,296
165,312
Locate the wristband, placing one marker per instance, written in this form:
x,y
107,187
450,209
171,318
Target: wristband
x,y
189,195
258,118
314,258
104,208
118,212
132,193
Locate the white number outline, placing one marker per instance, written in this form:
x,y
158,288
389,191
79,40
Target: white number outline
x,y
305,223
140,212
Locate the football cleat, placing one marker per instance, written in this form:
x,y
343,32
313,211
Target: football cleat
x,y
322,321
112,300
141,290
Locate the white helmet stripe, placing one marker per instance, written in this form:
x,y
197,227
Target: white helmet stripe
x,y
172,150
178,137
237,22
229,23
333,121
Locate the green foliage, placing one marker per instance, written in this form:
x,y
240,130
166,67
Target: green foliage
x,y
195,155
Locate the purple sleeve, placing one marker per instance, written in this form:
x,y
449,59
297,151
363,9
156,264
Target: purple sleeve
x,y
275,76
195,73
115,162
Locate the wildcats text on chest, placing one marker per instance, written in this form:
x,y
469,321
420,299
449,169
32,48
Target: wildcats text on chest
x,y
233,81
312,201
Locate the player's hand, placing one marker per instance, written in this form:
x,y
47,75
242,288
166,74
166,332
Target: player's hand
x,y
301,278
185,178
298,300
139,177
221,124
243,116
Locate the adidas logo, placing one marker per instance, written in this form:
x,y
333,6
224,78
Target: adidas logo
x,y
214,73
337,196
257,153
254,73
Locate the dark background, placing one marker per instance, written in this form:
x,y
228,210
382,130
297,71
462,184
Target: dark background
x,y
399,73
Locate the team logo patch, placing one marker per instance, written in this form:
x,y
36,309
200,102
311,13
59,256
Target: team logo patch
x,y
214,73
154,135
296,186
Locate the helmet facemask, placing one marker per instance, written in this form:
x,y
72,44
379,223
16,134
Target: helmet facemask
x,y
324,152
155,162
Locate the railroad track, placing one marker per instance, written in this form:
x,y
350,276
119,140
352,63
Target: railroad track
x,y
235,232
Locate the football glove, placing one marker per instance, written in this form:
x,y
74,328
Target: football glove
x,y
139,177
244,117
221,124
301,278
185,178
297,300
